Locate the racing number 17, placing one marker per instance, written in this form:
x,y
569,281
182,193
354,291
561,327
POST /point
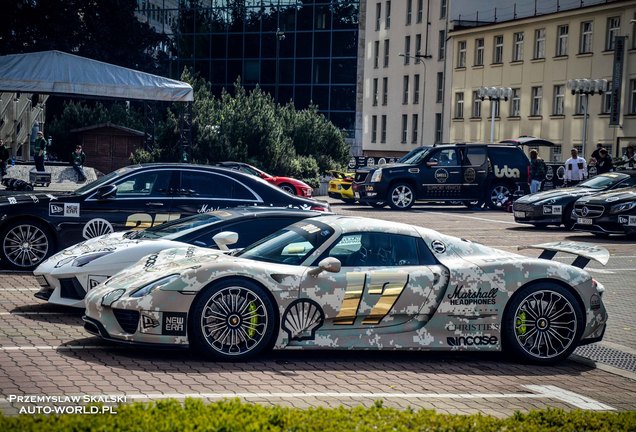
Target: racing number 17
x,y
389,285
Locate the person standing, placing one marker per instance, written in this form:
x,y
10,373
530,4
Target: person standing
x,y
629,161
4,158
537,171
40,151
575,169
604,163
596,153
78,157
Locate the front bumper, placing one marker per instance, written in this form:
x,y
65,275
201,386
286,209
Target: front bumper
x,y
537,214
369,192
607,224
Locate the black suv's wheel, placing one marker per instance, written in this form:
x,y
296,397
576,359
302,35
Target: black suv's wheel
x,y
401,196
25,244
542,324
232,320
496,194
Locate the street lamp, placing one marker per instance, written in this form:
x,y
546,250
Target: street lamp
x,y
586,87
419,58
280,36
494,94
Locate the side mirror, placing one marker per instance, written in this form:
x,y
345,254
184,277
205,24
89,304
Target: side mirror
x,y
225,238
330,264
107,192
432,163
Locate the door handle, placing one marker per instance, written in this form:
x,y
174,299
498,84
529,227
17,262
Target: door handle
x,y
154,204
481,171
454,172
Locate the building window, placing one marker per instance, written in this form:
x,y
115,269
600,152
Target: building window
x,y
461,54
497,55
407,50
459,105
517,47
405,90
557,153
420,10
479,52
378,15
632,96
585,45
386,53
414,127
405,125
376,54
439,93
476,104
438,128
606,104
418,44
515,102
416,89
579,104
387,22
383,130
559,97
539,43
496,102
633,38
562,40
374,128
613,27
441,50
385,91
409,11
443,9
537,96
375,92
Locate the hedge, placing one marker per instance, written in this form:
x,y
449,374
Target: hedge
x,y
234,415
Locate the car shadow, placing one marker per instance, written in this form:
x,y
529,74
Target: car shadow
x,y
50,313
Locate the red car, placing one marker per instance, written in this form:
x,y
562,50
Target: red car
x,y
288,184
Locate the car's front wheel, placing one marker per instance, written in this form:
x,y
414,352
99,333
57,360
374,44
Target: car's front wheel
x,y
25,244
401,196
232,320
542,323
288,188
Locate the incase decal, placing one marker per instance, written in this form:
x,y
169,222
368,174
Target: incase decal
x,y
174,323
64,209
471,340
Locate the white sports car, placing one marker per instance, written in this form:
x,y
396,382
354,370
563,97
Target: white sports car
x,y
66,276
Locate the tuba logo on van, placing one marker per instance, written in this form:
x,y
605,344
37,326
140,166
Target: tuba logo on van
x,y
507,172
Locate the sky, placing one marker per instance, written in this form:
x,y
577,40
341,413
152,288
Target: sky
x,y
505,9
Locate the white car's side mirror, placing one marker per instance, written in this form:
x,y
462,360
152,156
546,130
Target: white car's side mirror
x,y
225,238
329,264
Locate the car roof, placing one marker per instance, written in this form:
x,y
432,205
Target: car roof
x,y
348,224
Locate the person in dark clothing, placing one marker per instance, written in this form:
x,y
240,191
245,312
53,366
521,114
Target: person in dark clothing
x,y
40,151
4,158
78,157
604,162
596,153
537,171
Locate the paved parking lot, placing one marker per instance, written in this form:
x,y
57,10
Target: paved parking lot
x,y
44,350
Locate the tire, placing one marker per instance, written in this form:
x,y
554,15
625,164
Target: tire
x,y
288,188
240,317
377,205
495,192
531,334
401,196
24,245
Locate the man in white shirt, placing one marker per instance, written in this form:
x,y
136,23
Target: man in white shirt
x,y
575,169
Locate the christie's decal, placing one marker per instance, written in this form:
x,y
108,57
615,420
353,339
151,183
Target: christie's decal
x,y
64,209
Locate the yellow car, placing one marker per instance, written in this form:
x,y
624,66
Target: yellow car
x,y
340,186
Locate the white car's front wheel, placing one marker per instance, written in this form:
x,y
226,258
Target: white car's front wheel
x,y
233,320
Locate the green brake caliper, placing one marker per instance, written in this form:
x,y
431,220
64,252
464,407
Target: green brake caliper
x,y
253,320
520,324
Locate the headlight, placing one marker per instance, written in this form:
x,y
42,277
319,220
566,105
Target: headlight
x,y
112,297
618,208
64,261
146,289
85,259
377,176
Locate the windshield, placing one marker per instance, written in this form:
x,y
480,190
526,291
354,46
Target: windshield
x,y
415,156
603,181
173,229
100,181
291,245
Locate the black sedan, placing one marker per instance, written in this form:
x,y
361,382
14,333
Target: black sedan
x,y
33,226
554,207
612,212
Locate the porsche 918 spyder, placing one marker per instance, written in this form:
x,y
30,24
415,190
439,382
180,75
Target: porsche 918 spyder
x,y
337,282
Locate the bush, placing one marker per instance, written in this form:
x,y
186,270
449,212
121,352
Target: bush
x,y
233,415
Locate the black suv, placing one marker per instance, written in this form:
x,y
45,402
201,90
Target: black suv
x,y
471,173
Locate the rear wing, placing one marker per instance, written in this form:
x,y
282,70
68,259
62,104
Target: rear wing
x,y
584,252
341,174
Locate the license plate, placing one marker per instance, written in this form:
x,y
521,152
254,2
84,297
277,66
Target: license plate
x,y
357,195
520,214
584,221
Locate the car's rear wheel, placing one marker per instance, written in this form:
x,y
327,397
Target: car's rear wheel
x,y
233,320
497,195
542,323
25,244
288,188
401,196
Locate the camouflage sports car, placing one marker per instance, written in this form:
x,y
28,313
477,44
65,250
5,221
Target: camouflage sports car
x,y
338,282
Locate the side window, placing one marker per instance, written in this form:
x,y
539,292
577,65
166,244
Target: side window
x,y
254,229
425,255
145,184
205,185
375,249
475,156
448,157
